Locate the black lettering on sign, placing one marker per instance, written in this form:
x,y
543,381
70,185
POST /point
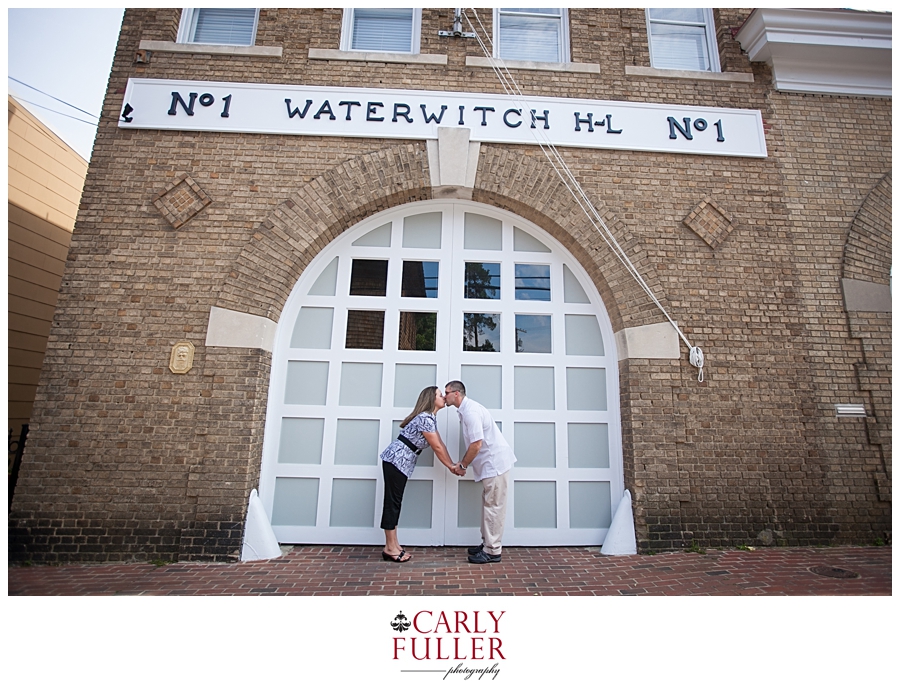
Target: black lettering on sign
x,y
431,117
296,111
188,108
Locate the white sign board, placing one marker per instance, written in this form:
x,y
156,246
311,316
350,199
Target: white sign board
x,y
417,114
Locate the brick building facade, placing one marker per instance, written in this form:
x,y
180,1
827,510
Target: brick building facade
x,y
777,266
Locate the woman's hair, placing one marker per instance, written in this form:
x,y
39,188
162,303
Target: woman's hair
x,y
424,404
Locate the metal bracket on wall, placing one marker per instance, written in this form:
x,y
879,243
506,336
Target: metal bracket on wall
x,y
457,31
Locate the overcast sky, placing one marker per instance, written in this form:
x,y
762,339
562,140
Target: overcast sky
x,y
66,53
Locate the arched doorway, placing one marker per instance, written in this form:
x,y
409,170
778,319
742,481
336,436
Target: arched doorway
x,y
419,295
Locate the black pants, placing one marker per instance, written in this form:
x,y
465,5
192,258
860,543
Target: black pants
x,y
394,484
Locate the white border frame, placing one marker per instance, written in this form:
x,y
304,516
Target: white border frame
x,y
713,44
347,33
564,48
188,26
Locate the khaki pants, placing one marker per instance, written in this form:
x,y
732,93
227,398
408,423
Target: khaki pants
x,y
493,512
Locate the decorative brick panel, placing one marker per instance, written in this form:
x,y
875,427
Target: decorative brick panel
x,y
181,200
709,222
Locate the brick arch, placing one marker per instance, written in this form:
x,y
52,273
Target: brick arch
x,y
269,266
527,185
867,263
867,252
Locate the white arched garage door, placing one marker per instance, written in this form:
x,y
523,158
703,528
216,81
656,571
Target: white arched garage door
x,y
420,295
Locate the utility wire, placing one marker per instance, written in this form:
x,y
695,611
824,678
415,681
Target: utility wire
x,y
567,177
69,116
54,98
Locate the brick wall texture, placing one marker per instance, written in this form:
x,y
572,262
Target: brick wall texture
x,y
126,461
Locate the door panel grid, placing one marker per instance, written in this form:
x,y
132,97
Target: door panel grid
x,y
553,377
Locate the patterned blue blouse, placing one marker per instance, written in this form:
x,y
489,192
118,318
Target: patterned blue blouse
x,y
401,456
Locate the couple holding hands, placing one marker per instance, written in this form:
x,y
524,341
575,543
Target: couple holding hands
x,y
487,452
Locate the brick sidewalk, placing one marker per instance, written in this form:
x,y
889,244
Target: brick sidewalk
x,y
564,571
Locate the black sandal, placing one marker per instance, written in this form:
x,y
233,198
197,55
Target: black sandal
x,y
402,557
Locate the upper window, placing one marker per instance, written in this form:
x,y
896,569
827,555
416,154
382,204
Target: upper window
x,y
382,30
531,34
218,26
682,39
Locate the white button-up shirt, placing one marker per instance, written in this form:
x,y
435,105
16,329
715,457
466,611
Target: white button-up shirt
x,y
495,456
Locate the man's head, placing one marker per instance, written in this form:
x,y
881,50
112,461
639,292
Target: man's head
x,y
454,392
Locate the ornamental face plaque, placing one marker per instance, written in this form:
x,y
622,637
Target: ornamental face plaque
x,y
182,357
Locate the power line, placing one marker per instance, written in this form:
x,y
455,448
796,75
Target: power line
x,y
69,116
54,98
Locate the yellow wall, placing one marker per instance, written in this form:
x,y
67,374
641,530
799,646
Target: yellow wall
x,y
45,181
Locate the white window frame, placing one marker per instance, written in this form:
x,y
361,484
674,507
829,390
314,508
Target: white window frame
x,y
563,34
188,26
347,33
712,43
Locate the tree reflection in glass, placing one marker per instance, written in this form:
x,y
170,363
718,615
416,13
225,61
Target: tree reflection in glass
x,y
417,330
482,280
533,334
481,332
420,279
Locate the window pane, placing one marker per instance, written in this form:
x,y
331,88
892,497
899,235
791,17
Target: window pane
x,y
679,47
352,503
535,445
327,281
365,330
535,504
423,231
409,380
690,14
481,332
420,279
356,442
484,384
378,237
383,30
418,331
533,388
533,10
573,293
301,440
535,39
533,282
532,334
583,336
588,445
482,280
224,26
590,506
368,278
360,384
296,500
482,232
306,383
523,242
586,389
312,330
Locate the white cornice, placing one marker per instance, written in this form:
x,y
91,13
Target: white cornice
x,y
840,52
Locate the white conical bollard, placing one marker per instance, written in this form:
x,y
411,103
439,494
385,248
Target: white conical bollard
x,y
259,539
620,539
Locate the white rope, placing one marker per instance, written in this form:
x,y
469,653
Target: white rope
x,y
567,177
